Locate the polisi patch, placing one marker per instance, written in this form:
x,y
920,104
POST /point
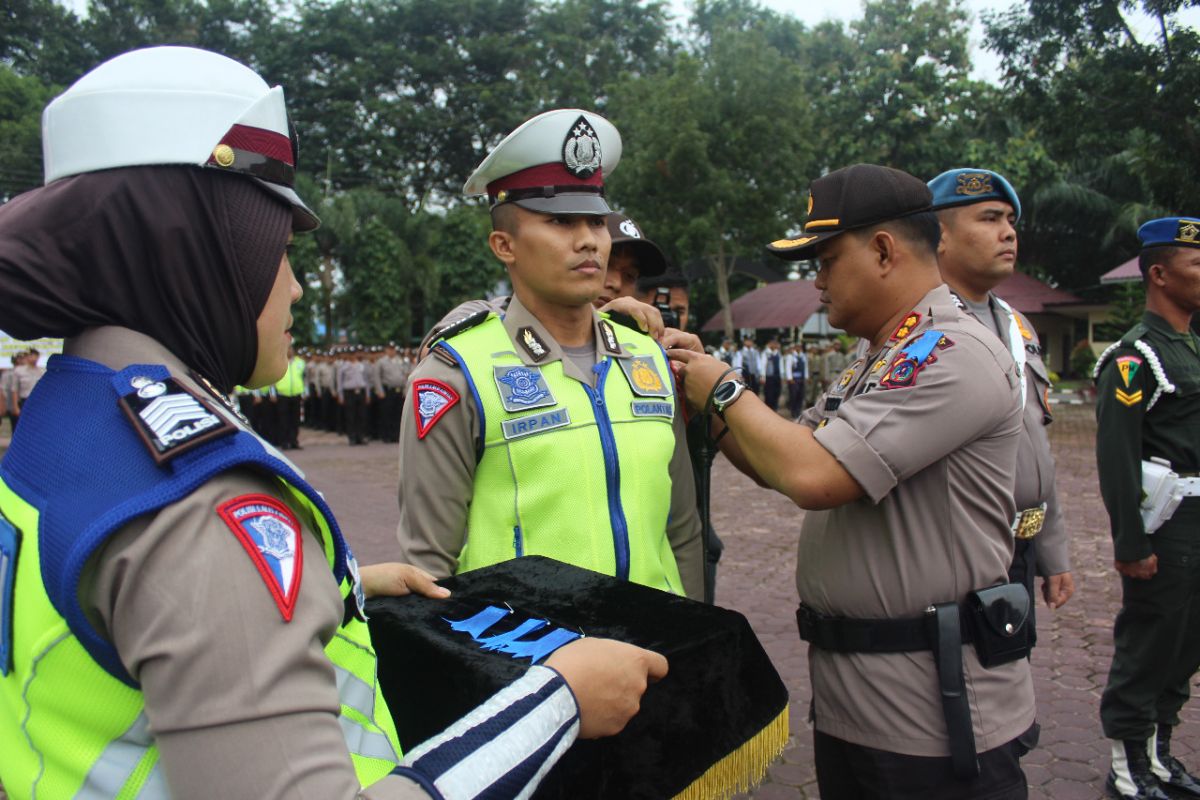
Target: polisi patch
x,y
535,423
644,377
169,417
431,400
522,388
652,408
270,533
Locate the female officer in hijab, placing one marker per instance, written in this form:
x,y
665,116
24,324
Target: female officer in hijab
x,y
173,594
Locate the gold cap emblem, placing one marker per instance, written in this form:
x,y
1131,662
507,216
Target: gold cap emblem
x,y
502,195
223,155
973,184
1189,231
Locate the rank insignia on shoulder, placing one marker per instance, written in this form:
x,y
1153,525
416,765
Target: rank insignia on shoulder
x,y
643,376
522,388
443,355
533,344
466,323
1130,399
609,337
169,417
431,400
270,533
1127,368
906,327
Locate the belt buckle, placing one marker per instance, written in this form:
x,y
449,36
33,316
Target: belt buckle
x,y
1029,522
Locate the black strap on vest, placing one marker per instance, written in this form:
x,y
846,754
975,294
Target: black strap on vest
x,y
943,629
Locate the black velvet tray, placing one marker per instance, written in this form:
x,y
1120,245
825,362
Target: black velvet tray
x,y
708,729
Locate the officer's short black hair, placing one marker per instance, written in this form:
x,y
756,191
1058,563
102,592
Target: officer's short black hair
x,y
505,218
671,280
922,229
1155,255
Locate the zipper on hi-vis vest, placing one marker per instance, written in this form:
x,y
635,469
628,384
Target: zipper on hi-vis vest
x,y
518,545
612,471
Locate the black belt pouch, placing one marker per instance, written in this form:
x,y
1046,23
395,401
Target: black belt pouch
x,y
999,617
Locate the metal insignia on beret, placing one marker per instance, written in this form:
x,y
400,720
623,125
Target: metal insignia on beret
x,y
630,229
581,149
1189,231
973,184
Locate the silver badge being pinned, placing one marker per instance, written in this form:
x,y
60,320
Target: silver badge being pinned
x,y
581,149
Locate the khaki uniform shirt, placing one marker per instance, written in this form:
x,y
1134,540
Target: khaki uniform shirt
x,y
393,372
1035,464
437,472
241,704
935,459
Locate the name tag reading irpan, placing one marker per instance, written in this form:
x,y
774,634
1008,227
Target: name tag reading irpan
x,y
535,423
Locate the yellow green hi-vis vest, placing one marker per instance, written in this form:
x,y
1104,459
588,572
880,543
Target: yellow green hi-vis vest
x,y
70,727
571,472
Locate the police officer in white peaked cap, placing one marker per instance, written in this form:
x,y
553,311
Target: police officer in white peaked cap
x,y
173,593
548,429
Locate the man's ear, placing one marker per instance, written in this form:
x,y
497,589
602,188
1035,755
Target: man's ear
x,y
883,245
941,248
1157,274
501,243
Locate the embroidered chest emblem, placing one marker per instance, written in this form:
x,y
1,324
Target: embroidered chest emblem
x,y
270,534
912,359
522,388
644,378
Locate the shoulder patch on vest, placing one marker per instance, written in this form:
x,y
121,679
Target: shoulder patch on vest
x,y
465,324
644,377
522,388
169,417
270,533
431,400
10,538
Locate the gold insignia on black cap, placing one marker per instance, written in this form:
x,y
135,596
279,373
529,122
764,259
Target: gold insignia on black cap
x,y
973,184
1189,231
223,155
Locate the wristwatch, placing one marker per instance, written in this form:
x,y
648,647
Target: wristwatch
x,y
726,394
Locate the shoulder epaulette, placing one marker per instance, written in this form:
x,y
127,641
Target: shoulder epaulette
x,y
443,354
464,324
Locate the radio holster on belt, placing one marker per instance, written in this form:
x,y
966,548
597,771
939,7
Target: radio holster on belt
x,y
993,619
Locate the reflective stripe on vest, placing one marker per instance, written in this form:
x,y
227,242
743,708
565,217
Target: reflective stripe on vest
x,y
116,770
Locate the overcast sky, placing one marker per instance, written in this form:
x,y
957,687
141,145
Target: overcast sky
x,y
986,66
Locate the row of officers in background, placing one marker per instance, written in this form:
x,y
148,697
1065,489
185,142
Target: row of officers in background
x,y
353,390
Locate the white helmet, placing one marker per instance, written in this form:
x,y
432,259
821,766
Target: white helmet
x,y
175,105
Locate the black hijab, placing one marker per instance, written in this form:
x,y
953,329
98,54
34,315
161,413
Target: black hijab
x,y
182,254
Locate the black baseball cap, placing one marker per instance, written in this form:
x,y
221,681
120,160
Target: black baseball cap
x,y
854,197
627,233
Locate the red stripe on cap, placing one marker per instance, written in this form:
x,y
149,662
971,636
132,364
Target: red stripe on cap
x,y
260,140
553,174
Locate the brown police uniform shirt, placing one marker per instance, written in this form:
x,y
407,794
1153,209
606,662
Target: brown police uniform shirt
x,y
935,455
437,472
241,703
1035,463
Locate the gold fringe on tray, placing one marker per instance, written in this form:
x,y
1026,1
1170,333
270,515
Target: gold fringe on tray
x,y
744,768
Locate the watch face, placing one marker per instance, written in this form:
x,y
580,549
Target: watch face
x,y
725,392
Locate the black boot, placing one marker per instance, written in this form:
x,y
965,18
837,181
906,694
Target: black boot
x,y
1171,773
1131,776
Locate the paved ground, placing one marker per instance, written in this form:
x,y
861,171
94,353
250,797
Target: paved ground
x,y
759,529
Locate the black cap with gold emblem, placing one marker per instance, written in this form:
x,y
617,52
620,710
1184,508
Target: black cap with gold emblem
x,y
854,197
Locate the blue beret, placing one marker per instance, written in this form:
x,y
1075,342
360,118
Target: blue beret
x,y
959,187
1170,232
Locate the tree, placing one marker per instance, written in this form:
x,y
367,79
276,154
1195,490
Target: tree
x,y
711,168
22,99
